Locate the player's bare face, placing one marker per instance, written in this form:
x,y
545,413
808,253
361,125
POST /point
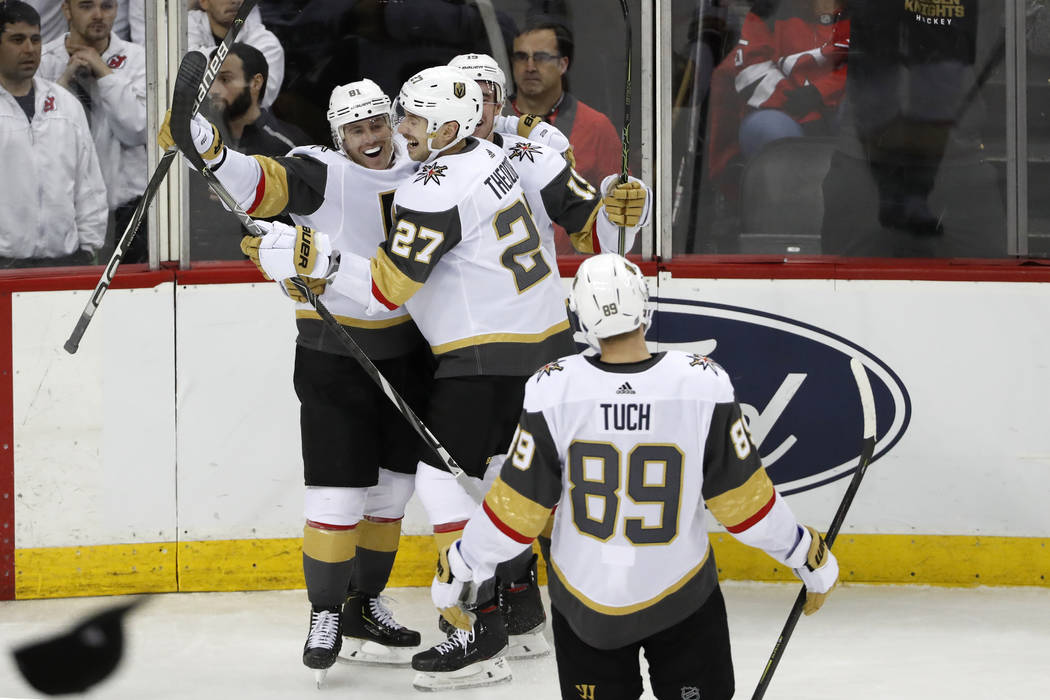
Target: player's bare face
x,y
489,109
369,142
19,52
91,20
414,129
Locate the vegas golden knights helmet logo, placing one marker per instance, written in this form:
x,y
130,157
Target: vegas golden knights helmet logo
x,y
459,89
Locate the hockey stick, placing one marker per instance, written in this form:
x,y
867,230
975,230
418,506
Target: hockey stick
x,y
73,342
181,113
495,35
867,403
625,137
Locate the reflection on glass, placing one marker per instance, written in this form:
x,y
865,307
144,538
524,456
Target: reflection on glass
x,y
845,127
572,74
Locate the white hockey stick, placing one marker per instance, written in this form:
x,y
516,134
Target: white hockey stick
x,y
188,77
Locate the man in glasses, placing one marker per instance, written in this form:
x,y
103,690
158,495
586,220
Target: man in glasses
x,y
542,55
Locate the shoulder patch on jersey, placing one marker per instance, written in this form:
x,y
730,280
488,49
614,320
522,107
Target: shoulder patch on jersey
x,y
705,362
525,149
545,370
431,173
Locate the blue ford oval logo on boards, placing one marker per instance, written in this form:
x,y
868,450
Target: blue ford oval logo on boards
x,y
794,384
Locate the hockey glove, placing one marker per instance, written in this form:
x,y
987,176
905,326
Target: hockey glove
x,y
453,587
205,136
290,251
627,203
293,292
816,566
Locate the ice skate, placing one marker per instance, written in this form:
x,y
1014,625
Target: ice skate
x,y
372,634
322,643
523,612
467,659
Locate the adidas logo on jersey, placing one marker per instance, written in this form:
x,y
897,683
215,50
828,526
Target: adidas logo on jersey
x,y
625,388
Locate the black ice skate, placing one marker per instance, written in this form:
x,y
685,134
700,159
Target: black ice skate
x,y
323,642
523,612
467,659
372,634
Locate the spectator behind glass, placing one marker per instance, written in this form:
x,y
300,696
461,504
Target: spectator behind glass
x,y
234,107
541,59
208,26
108,75
51,189
785,79
908,179
53,21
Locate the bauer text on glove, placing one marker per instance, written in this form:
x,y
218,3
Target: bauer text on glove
x,y
818,568
290,251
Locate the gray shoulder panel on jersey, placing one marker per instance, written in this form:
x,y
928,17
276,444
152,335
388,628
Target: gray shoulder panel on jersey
x,y
306,172
540,480
420,238
730,457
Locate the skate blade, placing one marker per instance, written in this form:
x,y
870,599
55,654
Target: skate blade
x,y
360,651
528,646
319,676
484,673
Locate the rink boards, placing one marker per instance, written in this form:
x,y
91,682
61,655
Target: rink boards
x,y
165,454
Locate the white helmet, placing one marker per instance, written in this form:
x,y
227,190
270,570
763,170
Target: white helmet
x,y
352,102
481,66
610,297
440,95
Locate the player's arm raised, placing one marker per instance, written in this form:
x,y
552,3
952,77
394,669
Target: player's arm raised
x,y
742,497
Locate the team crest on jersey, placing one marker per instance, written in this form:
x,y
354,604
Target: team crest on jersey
x,y
431,173
704,362
116,61
524,150
545,370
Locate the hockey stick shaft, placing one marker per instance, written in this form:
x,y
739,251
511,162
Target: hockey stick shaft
x,y
72,343
867,402
625,137
179,130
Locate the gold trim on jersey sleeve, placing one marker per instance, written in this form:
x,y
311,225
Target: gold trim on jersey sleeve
x,y
329,546
737,505
356,322
628,609
583,240
395,286
501,338
275,192
521,514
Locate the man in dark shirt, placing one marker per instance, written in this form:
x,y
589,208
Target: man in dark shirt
x,y
234,106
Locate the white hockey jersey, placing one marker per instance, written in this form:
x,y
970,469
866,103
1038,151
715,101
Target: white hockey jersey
x,y
51,189
467,261
117,113
352,204
629,454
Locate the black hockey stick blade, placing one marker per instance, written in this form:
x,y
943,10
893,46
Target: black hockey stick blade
x,y
183,107
867,403
76,660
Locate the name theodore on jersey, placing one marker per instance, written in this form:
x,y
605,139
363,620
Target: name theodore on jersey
x,y
502,178
626,416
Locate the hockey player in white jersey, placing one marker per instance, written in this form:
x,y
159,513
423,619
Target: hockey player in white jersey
x,y
359,454
556,193
630,446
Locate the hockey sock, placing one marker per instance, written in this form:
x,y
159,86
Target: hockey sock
x,y
328,554
376,550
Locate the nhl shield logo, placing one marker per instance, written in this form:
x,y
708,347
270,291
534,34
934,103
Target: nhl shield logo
x,y
459,89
